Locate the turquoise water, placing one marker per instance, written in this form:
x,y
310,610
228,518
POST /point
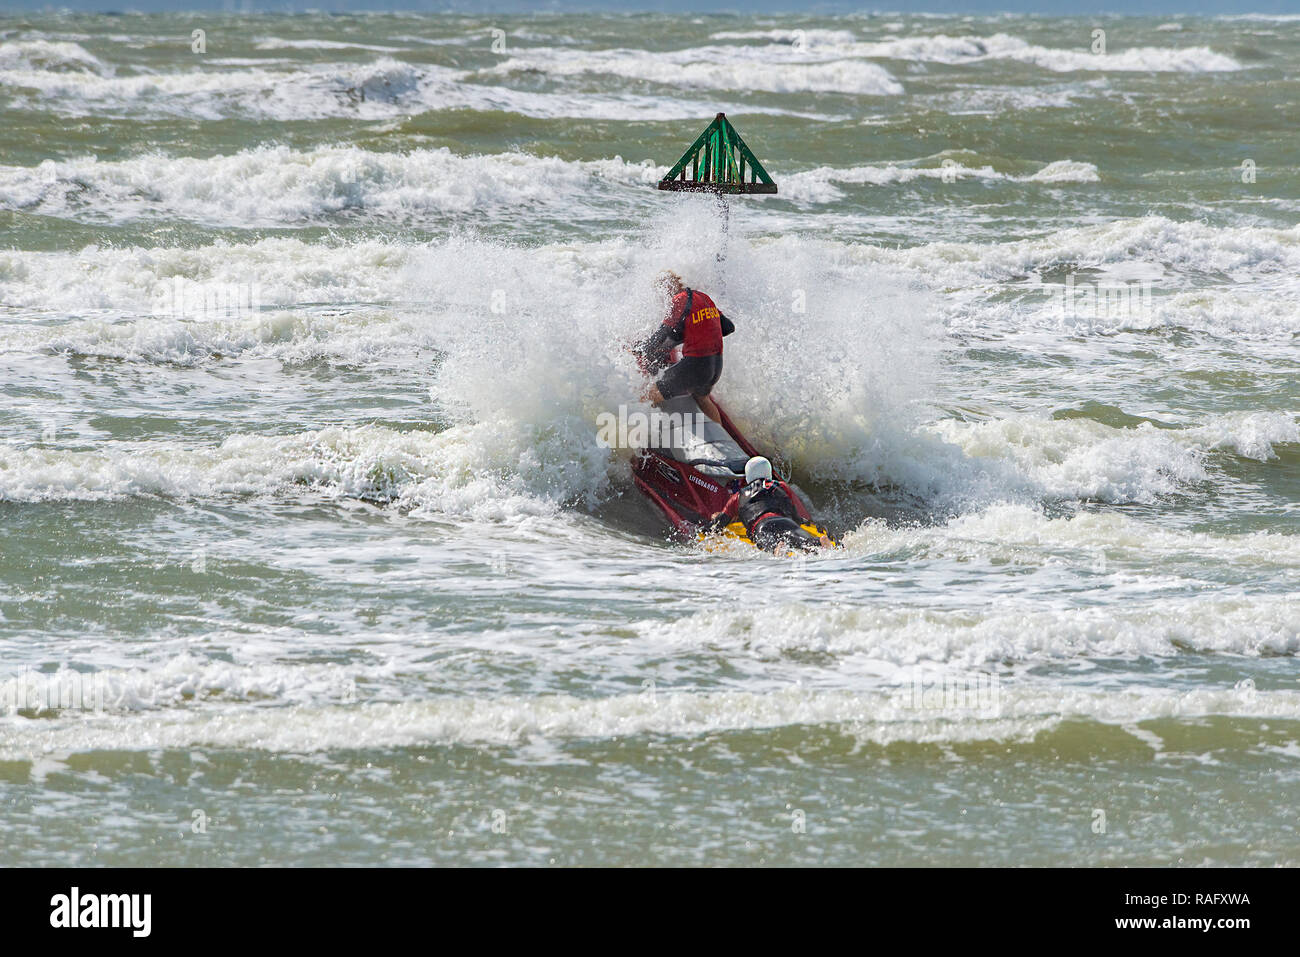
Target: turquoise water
x,y
311,555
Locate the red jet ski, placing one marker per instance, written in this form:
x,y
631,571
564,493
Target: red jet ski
x,y
695,465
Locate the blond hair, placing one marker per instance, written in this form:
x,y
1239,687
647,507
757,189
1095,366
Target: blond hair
x,y
669,280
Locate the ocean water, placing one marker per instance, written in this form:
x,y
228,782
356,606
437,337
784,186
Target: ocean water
x,y
310,553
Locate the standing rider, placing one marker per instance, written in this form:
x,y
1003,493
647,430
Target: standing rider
x,y
770,511
696,324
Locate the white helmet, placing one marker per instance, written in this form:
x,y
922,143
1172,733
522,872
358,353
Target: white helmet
x,y
757,468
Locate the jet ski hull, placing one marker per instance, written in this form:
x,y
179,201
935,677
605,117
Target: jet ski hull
x,y
691,479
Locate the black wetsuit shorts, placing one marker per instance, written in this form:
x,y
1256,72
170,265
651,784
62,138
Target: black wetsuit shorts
x,y
696,375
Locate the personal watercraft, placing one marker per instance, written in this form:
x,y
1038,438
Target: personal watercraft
x,y
693,467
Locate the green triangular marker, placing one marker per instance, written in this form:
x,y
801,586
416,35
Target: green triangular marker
x,y
718,162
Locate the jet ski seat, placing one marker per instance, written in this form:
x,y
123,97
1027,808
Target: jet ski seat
x,y
698,441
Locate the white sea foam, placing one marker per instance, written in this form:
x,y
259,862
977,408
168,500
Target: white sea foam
x,y
276,184
176,682
832,45
110,277
302,93
898,635
532,454
281,43
51,57
114,282
880,717
1087,460
970,50
714,68
1100,541
279,90
1065,171
1261,17
941,48
810,36
996,99
819,185
1239,253
840,47
486,471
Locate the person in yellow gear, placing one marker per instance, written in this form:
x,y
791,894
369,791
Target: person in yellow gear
x,y
772,514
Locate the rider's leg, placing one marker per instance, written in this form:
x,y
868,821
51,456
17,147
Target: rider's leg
x,y
709,408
